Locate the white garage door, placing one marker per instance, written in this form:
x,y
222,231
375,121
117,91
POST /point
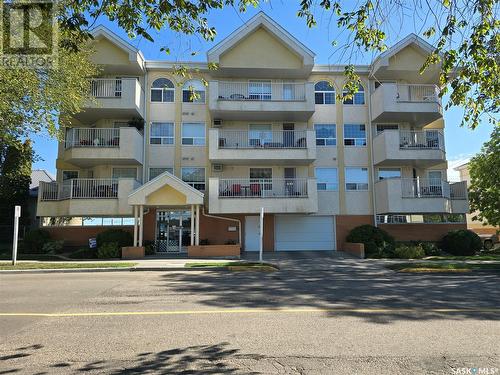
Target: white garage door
x,y
301,233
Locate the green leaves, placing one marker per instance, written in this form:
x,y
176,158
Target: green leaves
x,y
484,191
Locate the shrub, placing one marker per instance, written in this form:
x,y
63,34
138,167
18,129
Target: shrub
x,y
149,248
34,240
109,250
53,247
84,253
119,236
430,249
409,252
378,243
461,242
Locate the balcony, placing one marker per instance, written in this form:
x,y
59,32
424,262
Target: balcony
x,y
245,195
87,147
258,147
230,100
418,104
422,149
113,98
419,196
86,197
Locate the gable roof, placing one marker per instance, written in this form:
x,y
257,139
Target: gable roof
x,y
37,176
261,20
139,196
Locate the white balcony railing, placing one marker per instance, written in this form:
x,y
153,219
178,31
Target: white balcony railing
x,y
107,87
417,93
261,91
432,188
79,188
263,188
428,139
92,137
236,139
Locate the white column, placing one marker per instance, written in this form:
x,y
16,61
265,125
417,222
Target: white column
x,y
141,230
135,225
197,224
192,225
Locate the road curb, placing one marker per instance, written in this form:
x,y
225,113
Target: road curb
x,y
125,269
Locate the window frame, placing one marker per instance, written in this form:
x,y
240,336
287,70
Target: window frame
x,y
334,185
161,138
357,187
114,168
202,93
377,131
162,91
386,169
193,183
352,101
325,144
354,139
323,94
166,169
263,95
70,170
193,138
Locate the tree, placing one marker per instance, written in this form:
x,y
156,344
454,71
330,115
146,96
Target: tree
x,y
465,33
32,101
15,179
484,191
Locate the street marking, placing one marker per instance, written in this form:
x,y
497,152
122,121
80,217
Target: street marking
x,y
254,311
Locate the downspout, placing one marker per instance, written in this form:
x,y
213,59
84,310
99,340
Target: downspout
x,y
225,218
370,134
145,129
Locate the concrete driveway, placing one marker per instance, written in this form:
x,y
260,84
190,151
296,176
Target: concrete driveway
x,y
317,316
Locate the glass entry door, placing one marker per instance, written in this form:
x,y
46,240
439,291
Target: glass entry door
x,y
173,231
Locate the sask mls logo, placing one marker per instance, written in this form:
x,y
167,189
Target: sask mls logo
x,y
28,34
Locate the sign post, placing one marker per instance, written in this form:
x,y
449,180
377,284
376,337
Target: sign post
x,y
261,234
17,214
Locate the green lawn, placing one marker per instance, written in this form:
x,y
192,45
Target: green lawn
x,y
442,267
234,266
61,265
471,257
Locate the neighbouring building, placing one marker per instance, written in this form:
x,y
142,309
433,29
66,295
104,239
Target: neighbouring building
x,y
267,131
474,225
37,176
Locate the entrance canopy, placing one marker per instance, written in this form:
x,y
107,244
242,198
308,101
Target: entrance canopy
x,y
166,190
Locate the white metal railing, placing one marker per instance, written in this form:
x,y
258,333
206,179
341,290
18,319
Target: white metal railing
x,y
80,188
458,190
263,187
107,87
262,139
427,139
261,91
417,93
425,188
92,137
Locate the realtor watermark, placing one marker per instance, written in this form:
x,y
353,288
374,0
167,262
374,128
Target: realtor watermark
x,y
28,34
475,371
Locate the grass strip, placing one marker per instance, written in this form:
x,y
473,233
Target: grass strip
x,y
61,265
472,257
233,266
442,267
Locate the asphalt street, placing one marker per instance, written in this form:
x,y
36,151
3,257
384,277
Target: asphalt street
x,y
329,316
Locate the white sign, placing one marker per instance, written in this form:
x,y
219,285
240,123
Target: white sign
x,y
17,214
92,243
17,211
261,233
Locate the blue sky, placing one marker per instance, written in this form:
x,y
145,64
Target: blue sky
x,y
460,142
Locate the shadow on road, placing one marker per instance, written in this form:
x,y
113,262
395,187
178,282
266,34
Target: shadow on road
x,y
345,284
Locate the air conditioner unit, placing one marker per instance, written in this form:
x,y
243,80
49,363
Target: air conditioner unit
x,y
217,123
217,168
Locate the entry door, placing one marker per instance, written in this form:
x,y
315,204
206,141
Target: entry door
x,y
173,231
290,174
252,230
288,134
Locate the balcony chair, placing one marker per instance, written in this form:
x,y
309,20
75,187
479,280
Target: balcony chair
x,y
255,189
236,190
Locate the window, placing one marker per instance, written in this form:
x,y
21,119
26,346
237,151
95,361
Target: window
x,y
193,133
358,98
324,93
385,173
259,90
162,133
193,91
195,177
155,172
162,90
327,179
261,174
68,175
260,134
356,179
124,173
382,127
354,135
326,134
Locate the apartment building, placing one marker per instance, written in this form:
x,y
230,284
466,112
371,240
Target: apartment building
x,y
267,131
